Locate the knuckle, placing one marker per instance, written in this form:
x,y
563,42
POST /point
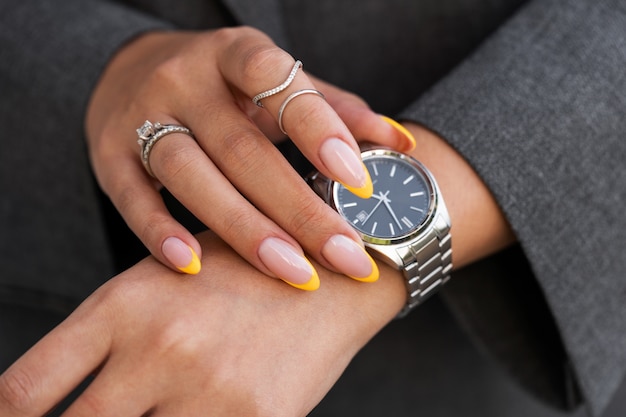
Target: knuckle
x,y
301,117
16,390
177,339
237,225
154,224
239,152
170,74
125,196
310,217
174,161
258,58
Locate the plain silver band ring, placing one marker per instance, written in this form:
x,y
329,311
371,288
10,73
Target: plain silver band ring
x,y
257,99
288,100
149,134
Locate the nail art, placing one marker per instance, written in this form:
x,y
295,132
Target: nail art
x,y
346,167
181,255
288,264
350,258
403,130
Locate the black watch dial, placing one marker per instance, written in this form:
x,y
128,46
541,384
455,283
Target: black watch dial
x,y
401,201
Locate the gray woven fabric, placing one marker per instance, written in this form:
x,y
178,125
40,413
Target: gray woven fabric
x,y
538,110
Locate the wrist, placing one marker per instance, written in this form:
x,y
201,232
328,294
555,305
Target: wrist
x,y
479,227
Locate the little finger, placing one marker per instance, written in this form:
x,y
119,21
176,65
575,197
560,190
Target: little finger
x,y
143,209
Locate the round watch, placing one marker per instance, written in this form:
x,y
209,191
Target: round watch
x,y
405,223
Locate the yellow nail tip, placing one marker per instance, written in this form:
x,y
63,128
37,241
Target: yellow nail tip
x,y
312,285
402,130
372,277
194,266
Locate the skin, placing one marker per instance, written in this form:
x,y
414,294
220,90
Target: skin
x,y
233,164
227,341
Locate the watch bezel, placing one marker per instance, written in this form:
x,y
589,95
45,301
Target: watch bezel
x,y
433,194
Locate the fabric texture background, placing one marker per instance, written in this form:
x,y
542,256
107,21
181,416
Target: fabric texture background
x,y
531,93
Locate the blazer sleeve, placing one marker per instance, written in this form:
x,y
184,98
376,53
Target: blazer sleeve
x,y
539,111
51,55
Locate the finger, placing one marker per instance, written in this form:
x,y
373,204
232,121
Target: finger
x,y
134,195
365,124
52,368
193,178
258,65
119,390
257,170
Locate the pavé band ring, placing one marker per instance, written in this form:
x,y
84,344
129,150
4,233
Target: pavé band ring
x,y
257,99
149,134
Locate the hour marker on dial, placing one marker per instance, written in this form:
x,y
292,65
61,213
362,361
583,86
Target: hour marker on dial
x,y
406,221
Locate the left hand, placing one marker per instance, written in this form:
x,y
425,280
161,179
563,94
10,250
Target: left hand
x,y
221,343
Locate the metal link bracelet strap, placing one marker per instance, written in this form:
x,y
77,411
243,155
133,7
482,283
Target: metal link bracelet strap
x,y
427,268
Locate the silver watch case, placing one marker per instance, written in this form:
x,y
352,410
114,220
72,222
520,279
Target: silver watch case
x,y
412,253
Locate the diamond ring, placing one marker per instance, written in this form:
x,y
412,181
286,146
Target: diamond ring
x,y
149,133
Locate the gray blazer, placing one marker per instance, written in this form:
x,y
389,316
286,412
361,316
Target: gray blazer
x,y
533,94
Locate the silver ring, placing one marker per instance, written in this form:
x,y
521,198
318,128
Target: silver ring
x,y
257,99
288,100
149,134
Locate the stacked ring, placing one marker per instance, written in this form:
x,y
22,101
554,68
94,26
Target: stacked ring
x,y
288,100
149,134
257,99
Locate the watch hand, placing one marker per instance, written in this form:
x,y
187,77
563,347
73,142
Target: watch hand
x,y
386,201
381,198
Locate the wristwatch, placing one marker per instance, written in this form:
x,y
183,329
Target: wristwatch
x,y
404,224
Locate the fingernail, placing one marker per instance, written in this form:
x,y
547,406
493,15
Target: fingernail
x,y
346,167
288,264
409,136
350,258
181,255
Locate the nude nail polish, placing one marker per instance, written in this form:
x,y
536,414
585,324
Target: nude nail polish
x,y
288,264
181,255
350,258
346,167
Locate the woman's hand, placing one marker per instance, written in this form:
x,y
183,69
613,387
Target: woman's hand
x,y
231,176
225,343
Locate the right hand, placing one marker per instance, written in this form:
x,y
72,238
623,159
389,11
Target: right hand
x,y
231,177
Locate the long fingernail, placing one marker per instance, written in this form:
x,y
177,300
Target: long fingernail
x,y
411,142
350,258
346,167
288,264
181,255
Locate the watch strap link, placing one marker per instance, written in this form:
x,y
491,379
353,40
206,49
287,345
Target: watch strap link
x,y
427,265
